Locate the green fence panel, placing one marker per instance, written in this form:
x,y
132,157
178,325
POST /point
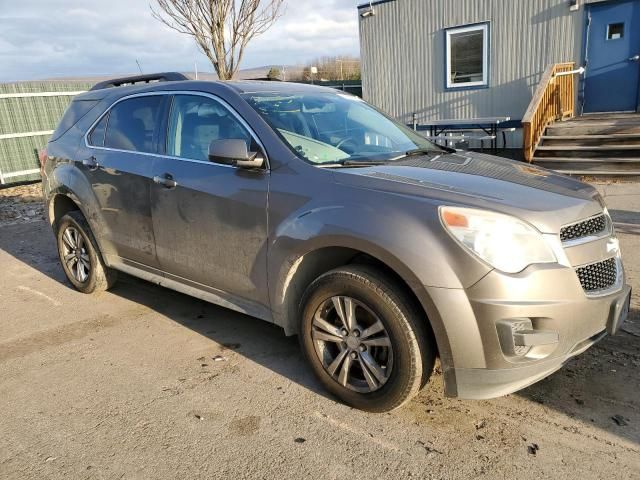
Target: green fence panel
x,y
23,114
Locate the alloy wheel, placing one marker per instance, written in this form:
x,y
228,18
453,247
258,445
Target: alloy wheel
x,y
75,255
352,344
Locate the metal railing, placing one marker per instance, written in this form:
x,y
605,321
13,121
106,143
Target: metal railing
x,y
553,100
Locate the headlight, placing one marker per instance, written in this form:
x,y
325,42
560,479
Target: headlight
x,y
504,242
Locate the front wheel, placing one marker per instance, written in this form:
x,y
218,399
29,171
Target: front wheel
x,y
364,338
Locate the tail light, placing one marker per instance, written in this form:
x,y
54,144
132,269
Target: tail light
x,y
42,157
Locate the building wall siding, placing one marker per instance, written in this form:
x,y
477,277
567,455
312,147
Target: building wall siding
x,y
403,54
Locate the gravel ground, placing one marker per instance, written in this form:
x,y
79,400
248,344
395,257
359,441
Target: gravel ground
x,y
21,204
143,382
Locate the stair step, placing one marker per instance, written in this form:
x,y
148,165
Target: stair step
x,y
606,117
592,140
586,160
588,147
618,136
590,166
607,173
588,151
577,129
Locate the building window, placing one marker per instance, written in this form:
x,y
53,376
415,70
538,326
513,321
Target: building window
x,y
467,56
615,31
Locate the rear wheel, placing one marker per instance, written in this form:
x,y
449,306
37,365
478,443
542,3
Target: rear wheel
x,y
79,255
364,338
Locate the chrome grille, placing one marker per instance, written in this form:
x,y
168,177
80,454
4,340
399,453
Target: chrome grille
x,y
598,276
587,228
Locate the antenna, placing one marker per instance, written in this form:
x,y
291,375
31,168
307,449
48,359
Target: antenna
x,y
196,65
139,67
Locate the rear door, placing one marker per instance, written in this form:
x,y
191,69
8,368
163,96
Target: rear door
x,y
210,220
118,161
612,81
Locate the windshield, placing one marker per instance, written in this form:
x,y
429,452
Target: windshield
x,y
335,128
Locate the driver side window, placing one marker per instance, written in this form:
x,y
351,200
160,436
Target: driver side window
x,y
196,121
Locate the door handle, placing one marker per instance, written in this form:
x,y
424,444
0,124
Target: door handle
x,y
635,58
91,163
165,180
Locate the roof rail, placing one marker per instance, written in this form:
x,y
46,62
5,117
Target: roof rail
x,y
152,77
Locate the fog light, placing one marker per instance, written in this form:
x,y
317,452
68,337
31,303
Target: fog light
x,y
517,336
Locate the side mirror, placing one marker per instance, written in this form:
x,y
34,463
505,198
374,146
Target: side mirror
x,y
234,152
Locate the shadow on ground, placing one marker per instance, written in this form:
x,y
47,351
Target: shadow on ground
x,y
599,387
259,341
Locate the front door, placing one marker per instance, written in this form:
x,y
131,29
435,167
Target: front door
x,y
612,80
211,224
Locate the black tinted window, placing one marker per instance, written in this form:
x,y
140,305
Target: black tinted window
x,y
132,123
96,137
195,122
75,111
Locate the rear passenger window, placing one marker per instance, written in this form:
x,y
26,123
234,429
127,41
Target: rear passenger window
x,y
132,123
96,137
195,122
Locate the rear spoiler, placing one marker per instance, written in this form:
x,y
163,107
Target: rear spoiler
x,y
153,77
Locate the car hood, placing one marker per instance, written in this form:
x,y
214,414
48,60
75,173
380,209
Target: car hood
x,y
545,199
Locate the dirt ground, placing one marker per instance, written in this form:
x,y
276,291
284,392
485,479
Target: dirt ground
x,y
146,383
21,204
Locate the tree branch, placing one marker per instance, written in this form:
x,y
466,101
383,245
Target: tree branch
x,y
222,29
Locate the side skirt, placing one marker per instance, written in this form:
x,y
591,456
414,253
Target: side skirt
x,y
188,287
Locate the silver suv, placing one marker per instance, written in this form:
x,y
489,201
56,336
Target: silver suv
x,y
308,208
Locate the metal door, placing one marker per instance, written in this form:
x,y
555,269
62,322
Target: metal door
x,y
612,79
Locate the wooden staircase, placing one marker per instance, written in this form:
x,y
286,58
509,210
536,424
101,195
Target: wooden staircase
x,y
596,144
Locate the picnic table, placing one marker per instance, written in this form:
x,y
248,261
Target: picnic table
x,y
491,126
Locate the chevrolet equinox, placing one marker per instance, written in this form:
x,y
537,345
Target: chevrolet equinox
x,y
307,207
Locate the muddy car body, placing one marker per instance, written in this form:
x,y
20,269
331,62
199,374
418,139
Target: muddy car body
x,y
378,249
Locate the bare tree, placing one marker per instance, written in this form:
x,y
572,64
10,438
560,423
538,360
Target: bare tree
x,y
221,28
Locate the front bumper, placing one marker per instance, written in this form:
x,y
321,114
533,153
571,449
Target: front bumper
x,y
549,298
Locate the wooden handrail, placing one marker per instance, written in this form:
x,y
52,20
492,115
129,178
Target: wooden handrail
x,y
553,100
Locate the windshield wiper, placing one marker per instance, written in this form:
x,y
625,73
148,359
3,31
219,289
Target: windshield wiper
x,y
364,163
420,151
353,163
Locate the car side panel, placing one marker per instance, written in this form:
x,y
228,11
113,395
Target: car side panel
x,y
121,187
306,216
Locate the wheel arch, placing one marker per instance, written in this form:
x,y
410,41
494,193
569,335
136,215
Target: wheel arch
x,y
305,268
59,205
62,201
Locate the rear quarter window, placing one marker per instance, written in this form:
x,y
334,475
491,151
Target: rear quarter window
x,y
75,111
96,137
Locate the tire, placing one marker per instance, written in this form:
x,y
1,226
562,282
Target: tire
x,y
74,231
404,352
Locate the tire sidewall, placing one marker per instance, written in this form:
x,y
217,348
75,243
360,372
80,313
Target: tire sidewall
x,y
89,285
406,355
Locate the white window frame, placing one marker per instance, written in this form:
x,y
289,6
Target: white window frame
x,y
484,28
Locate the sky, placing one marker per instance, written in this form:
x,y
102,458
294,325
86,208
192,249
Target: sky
x,y
70,38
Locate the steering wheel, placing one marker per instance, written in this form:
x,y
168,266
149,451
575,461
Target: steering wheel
x,y
345,140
